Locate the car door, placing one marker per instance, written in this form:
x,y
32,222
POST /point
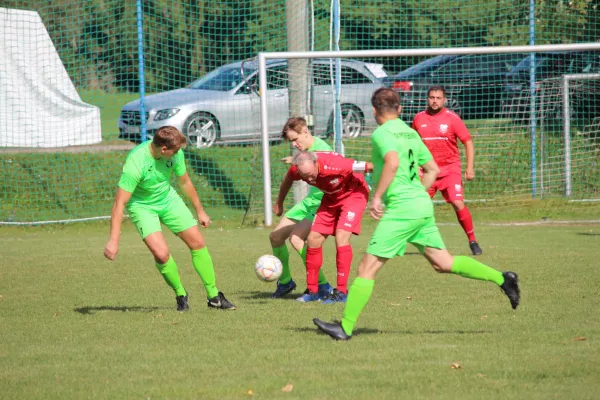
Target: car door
x,y
322,96
277,98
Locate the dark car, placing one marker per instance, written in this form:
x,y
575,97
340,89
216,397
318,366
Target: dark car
x,y
549,69
473,83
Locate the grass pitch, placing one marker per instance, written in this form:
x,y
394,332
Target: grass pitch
x,y
74,325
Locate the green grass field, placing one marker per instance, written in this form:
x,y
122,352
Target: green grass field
x,y
75,326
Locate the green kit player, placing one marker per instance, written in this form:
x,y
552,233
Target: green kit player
x,y
397,153
145,191
296,223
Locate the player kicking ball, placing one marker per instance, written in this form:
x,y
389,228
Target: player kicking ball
x,y
397,153
295,224
145,191
340,213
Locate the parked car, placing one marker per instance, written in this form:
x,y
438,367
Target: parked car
x,y
549,69
224,104
473,83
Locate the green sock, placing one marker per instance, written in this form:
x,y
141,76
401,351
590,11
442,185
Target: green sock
x,y
204,266
473,269
322,279
358,297
283,254
171,276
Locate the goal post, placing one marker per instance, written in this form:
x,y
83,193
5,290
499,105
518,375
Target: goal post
x,y
526,187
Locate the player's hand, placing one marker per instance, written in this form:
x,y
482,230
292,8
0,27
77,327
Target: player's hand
x,y
110,250
376,208
287,160
278,209
204,219
470,174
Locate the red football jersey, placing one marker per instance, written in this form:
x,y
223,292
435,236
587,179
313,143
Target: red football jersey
x,y
439,133
335,176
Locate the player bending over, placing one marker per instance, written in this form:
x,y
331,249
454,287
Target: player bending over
x,y
397,153
145,191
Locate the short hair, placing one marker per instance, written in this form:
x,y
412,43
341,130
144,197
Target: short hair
x,y
170,137
385,100
296,124
303,157
436,88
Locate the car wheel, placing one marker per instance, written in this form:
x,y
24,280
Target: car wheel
x,y
453,104
202,130
353,122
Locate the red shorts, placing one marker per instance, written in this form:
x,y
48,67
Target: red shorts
x,y
451,187
345,214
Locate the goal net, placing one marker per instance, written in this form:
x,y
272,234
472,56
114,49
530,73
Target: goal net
x,y
537,143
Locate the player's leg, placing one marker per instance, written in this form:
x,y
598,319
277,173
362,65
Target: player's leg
x,y
298,241
277,238
430,243
178,218
314,262
454,194
147,223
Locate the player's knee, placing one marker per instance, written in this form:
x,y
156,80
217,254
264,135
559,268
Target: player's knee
x,y
161,256
441,268
458,205
276,238
315,239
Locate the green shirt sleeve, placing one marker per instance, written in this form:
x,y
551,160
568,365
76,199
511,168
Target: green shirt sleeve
x,y
131,176
383,143
179,161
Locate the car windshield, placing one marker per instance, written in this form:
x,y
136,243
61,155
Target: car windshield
x,y
428,64
542,62
222,79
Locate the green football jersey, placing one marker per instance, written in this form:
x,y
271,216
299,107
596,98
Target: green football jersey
x,y
148,179
406,197
318,145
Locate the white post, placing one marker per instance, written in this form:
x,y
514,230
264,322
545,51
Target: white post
x,y
264,130
567,134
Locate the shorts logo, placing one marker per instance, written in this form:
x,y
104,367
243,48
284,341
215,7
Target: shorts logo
x,y
443,128
334,182
351,216
348,225
458,188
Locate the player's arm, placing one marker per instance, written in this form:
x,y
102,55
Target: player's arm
x,y
362,166
470,152
190,191
390,166
430,173
116,218
284,188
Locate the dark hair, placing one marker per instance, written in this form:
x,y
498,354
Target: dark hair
x,y
296,124
385,100
436,88
170,137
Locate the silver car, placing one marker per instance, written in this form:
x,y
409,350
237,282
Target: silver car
x,y
223,106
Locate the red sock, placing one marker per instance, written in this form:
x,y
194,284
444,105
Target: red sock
x,y
466,221
314,260
343,262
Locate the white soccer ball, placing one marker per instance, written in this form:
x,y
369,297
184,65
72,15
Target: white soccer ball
x,y
268,268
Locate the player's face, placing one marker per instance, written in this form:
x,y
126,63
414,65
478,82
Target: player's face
x,y
302,141
435,101
308,171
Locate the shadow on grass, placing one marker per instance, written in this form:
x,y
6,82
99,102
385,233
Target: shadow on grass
x,y
588,234
371,331
357,332
260,295
93,310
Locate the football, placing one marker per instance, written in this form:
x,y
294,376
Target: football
x,y
268,268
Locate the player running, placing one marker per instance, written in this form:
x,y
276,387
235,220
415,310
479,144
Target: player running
x,y
295,224
398,152
344,201
145,190
439,128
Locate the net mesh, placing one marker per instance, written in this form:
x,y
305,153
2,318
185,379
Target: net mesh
x,y
70,84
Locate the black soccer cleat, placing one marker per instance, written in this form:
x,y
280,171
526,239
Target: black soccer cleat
x,y
220,302
510,287
334,330
475,249
182,303
283,289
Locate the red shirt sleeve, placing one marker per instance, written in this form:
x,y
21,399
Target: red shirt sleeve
x,y
293,173
460,129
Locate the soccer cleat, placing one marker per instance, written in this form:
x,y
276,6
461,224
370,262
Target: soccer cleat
x,y
335,297
220,302
510,287
475,249
334,330
325,290
182,303
283,289
308,297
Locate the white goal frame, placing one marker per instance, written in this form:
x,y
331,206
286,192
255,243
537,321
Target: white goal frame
x,y
262,76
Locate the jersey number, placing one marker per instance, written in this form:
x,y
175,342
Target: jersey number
x,y
411,168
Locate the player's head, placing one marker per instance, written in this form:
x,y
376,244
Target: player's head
x,y
296,131
306,162
168,140
436,98
386,105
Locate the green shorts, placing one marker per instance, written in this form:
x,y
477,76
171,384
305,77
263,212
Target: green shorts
x,y
172,212
306,209
392,235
